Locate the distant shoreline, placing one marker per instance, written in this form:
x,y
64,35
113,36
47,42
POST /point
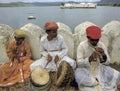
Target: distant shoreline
x,y
22,4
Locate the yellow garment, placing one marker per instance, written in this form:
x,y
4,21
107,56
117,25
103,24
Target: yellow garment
x,y
19,33
12,74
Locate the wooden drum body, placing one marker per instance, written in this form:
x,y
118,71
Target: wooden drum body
x,y
65,74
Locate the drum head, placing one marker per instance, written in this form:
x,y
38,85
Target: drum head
x,y
40,76
65,74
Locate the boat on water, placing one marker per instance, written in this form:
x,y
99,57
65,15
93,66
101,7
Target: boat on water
x,y
78,5
31,17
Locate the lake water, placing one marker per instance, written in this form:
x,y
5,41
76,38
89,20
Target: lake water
x,y
16,17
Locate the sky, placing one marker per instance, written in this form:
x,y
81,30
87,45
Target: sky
x,y
6,1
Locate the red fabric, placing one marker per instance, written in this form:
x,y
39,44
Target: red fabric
x,y
51,25
93,32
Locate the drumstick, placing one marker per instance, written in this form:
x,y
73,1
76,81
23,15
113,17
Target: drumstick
x,y
46,64
47,59
56,66
56,62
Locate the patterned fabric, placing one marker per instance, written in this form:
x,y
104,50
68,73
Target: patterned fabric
x,y
14,70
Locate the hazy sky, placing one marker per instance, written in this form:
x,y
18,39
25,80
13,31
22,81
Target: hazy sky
x,y
5,1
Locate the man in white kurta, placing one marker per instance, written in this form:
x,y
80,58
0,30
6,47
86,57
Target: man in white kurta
x,y
92,74
53,50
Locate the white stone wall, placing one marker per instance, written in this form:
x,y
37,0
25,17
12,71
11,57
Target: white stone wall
x,y
112,30
64,26
66,32
5,33
110,37
33,35
69,39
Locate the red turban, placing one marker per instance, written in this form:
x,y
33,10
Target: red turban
x,y
93,32
51,25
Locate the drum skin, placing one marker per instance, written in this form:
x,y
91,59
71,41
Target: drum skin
x,y
65,74
39,80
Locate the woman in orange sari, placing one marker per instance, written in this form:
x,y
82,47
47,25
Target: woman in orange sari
x,y
16,69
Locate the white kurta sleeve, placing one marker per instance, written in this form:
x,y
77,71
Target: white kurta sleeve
x,y
81,59
43,52
64,49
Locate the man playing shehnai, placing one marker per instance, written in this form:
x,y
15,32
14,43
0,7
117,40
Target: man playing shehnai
x,y
92,74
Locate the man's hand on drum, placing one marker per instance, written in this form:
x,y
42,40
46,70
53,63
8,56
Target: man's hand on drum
x,y
57,58
49,58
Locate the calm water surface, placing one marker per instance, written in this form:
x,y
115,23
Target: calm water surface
x,y
16,17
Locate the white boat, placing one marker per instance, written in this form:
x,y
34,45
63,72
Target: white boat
x,y
78,5
31,17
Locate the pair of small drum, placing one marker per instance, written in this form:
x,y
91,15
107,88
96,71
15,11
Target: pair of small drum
x,y
41,81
